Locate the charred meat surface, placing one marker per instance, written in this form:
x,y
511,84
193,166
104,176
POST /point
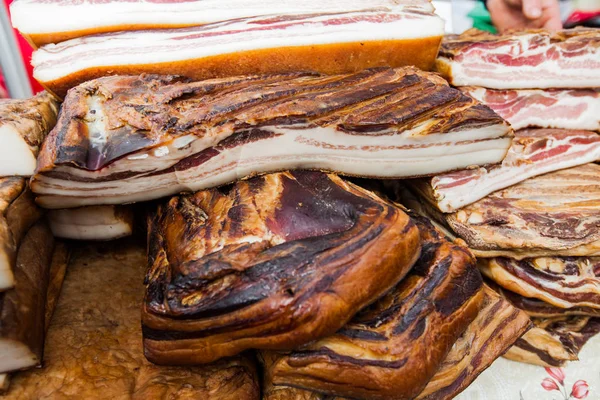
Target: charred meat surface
x,y
122,139
100,307
391,349
269,263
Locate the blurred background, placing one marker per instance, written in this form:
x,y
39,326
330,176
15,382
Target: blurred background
x,y
15,53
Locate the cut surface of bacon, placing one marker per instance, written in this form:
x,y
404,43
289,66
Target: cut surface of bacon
x,y
554,341
391,349
24,125
329,43
556,214
564,282
126,139
533,152
538,108
54,21
92,223
273,262
534,59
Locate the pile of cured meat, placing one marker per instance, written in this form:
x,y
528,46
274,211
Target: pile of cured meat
x,y
534,220
323,217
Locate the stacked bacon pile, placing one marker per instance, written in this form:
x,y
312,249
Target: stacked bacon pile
x,y
534,220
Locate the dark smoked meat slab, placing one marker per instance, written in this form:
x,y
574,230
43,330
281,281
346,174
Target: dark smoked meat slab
x,y
393,348
270,263
123,139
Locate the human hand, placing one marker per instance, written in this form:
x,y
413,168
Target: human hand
x,y
522,14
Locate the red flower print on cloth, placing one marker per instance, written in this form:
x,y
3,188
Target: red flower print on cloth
x,y
579,391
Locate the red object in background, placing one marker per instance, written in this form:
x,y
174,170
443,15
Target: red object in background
x,y
3,91
26,51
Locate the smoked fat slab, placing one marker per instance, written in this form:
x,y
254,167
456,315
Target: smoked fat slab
x,y
134,138
270,263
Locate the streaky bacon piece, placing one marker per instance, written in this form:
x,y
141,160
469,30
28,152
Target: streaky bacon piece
x,y
330,43
134,138
535,59
549,108
554,341
556,214
564,282
54,21
533,152
92,223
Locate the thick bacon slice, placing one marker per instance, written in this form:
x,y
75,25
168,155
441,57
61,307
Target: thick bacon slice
x,y
24,125
330,43
275,262
562,282
54,21
549,108
554,341
125,139
92,223
557,214
522,60
393,348
533,152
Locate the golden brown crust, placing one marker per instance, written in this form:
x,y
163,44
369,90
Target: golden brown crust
x,y
93,347
393,348
272,263
327,59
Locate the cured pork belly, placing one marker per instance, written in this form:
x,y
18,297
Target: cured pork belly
x,y
550,108
535,59
125,139
557,214
497,326
329,43
24,125
562,282
92,223
533,152
23,309
270,263
540,309
60,20
100,307
18,213
393,348
554,341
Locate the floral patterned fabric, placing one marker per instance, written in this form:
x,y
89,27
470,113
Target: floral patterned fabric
x,y
510,380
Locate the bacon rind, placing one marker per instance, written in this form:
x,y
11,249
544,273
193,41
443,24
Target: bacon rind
x,y
533,152
272,263
535,59
125,139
